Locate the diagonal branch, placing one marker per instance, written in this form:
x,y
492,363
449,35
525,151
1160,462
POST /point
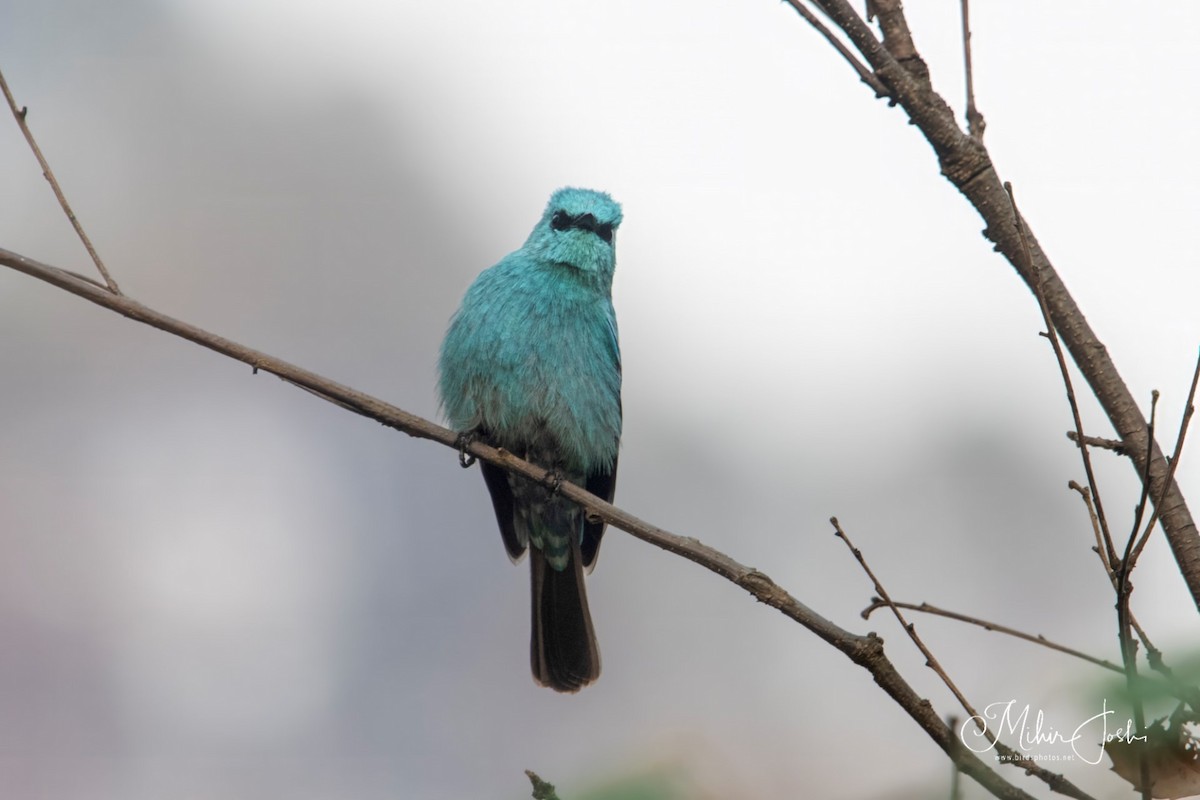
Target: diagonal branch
x,y
1052,335
966,163
864,74
19,114
878,603
866,651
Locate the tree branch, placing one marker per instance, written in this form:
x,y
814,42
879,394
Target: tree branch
x,y
1188,410
878,603
975,122
866,651
965,162
20,114
1115,445
864,74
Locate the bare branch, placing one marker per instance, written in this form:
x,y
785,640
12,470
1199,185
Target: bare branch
x,y
877,603
1099,549
1139,511
975,123
864,74
20,115
866,651
1095,441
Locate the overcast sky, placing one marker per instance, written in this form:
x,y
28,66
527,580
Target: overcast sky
x,y
214,585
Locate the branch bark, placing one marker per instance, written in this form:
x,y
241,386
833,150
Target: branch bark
x,y
866,651
966,163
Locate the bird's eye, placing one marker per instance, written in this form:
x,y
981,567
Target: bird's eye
x,y
560,221
604,232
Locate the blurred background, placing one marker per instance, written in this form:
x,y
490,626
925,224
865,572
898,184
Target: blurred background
x,y
215,585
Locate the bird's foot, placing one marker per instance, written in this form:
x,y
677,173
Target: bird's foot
x,y
464,441
553,481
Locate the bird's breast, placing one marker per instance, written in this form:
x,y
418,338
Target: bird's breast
x,y
554,374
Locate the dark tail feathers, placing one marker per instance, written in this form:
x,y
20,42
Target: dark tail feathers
x,y
563,650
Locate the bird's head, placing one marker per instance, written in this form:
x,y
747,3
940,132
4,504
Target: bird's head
x,y
579,229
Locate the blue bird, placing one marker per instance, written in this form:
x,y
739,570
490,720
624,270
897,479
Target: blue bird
x,y
531,364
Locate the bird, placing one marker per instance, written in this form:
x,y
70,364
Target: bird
x,y
531,363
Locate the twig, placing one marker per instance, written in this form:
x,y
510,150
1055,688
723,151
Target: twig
x,y
1052,335
1188,410
1188,694
1116,445
1055,781
864,74
1124,625
926,608
1098,549
975,122
1140,510
866,651
19,115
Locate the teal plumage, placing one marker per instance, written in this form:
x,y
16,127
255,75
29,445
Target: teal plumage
x,y
531,363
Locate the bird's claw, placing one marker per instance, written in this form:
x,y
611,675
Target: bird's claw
x,y
464,440
553,481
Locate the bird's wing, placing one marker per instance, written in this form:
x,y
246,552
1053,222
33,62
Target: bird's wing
x,y
502,502
603,485
614,344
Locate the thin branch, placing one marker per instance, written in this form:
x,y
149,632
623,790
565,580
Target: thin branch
x,y
1052,335
1188,410
1115,445
1052,779
866,651
20,114
1140,510
864,74
1099,549
1125,615
1188,694
966,163
926,608
975,122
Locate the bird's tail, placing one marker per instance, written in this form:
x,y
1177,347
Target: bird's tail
x,y
563,650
